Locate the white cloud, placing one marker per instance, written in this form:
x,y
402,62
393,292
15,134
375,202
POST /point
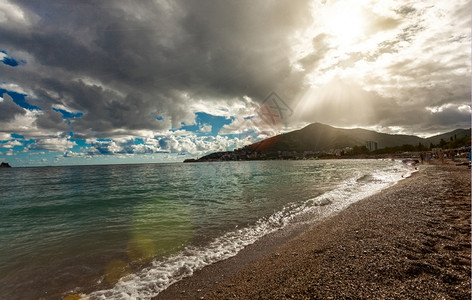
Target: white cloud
x,y
13,87
53,144
4,136
439,109
26,124
180,132
11,13
21,123
206,128
104,148
66,108
224,107
465,109
74,154
11,144
190,144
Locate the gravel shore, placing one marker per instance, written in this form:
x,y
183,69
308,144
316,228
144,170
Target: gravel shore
x,y
411,241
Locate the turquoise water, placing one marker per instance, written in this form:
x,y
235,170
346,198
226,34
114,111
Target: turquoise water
x,y
128,231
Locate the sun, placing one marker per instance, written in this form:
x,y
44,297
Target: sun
x,y
337,27
345,23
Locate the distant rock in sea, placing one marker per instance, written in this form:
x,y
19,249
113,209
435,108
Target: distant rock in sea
x,y
5,165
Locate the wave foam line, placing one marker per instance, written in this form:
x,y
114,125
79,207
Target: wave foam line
x,y
161,274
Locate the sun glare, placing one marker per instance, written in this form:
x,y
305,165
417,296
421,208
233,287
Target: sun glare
x,y
345,24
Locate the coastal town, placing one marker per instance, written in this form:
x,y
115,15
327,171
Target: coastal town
x,y
248,153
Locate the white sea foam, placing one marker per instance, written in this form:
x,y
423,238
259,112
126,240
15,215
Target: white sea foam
x,y
162,273
152,280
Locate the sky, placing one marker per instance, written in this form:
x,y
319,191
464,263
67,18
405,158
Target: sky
x,y
98,82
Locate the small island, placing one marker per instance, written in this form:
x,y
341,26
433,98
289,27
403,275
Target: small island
x,y
5,165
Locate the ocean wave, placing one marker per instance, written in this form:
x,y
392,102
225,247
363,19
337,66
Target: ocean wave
x,y
150,281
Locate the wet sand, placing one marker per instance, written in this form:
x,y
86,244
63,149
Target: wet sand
x,y
411,241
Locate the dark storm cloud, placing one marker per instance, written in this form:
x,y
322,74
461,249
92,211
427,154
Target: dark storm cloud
x,y
321,47
52,120
138,59
103,110
451,114
405,10
8,109
131,66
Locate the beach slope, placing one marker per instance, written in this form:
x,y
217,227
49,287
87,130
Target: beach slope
x,y
411,241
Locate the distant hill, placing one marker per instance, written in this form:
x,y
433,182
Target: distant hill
x,y
321,137
458,133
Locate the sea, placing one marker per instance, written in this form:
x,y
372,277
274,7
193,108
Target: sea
x,y
130,231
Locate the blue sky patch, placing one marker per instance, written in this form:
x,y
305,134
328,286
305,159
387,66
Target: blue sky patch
x,y
9,61
191,128
202,119
68,115
217,122
79,142
138,141
17,136
19,99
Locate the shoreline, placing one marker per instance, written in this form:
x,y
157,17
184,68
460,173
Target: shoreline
x,y
411,240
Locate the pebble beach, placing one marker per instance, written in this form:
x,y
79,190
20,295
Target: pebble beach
x,y
411,241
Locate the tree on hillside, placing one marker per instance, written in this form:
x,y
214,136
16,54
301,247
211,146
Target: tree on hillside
x,y
359,150
422,147
442,143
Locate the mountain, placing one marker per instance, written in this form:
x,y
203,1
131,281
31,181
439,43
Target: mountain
x,y
321,137
458,133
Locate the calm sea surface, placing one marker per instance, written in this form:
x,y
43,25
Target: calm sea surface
x,y
129,231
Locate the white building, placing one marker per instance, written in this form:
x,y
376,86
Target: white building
x,y
371,145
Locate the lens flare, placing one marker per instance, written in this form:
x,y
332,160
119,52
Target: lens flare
x,y
115,270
